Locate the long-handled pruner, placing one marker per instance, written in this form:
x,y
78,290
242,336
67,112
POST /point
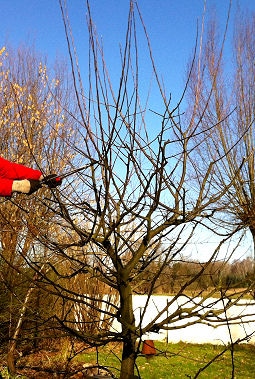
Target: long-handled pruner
x,y
66,174
56,178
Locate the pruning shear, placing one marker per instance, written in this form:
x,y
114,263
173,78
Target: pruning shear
x,y
58,178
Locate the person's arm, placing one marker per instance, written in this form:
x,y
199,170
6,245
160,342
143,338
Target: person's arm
x,y
15,177
6,187
15,171
27,186
19,178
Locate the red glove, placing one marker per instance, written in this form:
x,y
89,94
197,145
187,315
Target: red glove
x,y
52,180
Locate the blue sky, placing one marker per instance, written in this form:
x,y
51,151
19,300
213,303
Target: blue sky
x,y
171,25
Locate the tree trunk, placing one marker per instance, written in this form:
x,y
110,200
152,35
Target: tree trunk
x,y
252,230
128,358
13,343
128,333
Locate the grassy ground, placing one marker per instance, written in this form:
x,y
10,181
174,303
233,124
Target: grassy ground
x,y
181,360
184,361
172,361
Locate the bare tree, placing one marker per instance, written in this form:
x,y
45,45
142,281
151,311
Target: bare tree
x,y
139,201
134,208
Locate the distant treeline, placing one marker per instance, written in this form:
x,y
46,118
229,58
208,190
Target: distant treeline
x,y
202,276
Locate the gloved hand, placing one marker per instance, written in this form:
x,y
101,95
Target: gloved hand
x,y
52,180
27,186
34,186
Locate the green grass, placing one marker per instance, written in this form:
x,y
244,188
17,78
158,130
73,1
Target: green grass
x,y
175,361
178,361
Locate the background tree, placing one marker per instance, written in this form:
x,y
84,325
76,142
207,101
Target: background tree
x,y
224,93
35,131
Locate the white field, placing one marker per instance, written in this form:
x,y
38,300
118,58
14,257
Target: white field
x,y
215,333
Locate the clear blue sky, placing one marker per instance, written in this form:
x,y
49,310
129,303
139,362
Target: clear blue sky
x,y
171,26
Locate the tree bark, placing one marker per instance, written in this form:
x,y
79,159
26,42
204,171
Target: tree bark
x,y
13,342
128,333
